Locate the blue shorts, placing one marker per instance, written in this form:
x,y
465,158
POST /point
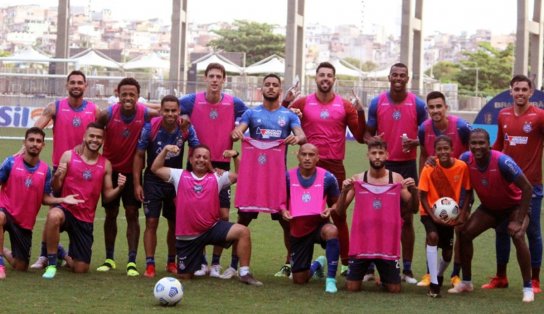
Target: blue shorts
x,y
127,194
189,252
302,249
389,270
20,238
80,234
159,195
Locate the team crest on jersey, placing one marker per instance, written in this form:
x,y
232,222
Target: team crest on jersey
x,y
396,115
213,114
126,133
261,159
198,188
28,182
87,175
377,204
281,121
485,182
324,114
76,121
306,197
527,128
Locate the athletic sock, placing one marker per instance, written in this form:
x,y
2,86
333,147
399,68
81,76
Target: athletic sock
x,y
132,256
456,269
432,263
315,266
61,252
527,284
52,259
216,259
203,260
332,252
234,261
150,260
171,259
406,265
2,260
109,253
443,266
244,270
43,249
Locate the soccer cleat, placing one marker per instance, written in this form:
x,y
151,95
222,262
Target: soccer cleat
x,y
344,270
285,271
455,280
369,277
408,277
2,272
172,268
50,272
528,295
496,282
425,281
203,271
40,263
132,271
462,287
434,290
535,283
320,273
330,285
150,271
107,265
215,271
229,273
248,279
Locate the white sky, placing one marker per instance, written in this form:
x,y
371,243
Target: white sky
x,y
454,17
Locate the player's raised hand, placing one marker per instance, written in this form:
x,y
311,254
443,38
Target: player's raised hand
x,y
72,199
408,182
171,149
61,169
292,93
121,181
347,184
356,101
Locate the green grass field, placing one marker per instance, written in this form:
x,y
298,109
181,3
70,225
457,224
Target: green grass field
x,y
114,292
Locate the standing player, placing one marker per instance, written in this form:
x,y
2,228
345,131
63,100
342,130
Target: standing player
x,y
392,115
27,175
198,217
70,116
458,130
521,136
505,195
87,175
313,192
220,110
269,122
376,223
155,193
124,122
325,118
449,178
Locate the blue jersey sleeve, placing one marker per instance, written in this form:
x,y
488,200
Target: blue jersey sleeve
x,y
48,189
239,107
146,114
143,141
421,111
421,134
331,186
508,168
463,129
186,104
294,120
464,157
246,117
372,121
5,169
193,138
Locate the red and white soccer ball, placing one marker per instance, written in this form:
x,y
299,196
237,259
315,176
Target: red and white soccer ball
x,y
446,209
168,291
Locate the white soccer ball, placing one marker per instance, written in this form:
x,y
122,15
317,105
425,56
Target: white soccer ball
x,y
446,209
168,291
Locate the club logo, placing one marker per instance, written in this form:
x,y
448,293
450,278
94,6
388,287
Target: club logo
x,y
87,175
527,128
28,182
213,114
281,121
377,204
306,197
76,122
198,188
324,114
261,159
485,182
126,133
396,115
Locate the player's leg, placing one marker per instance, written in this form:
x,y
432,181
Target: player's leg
x,y
224,202
330,234
302,267
431,249
534,235
132,213
169,212
502,251
285,270
2,262
110,227
81,243
241,235
356,272
524,258
455,276
55,219
389,274
150,243
189,253
407,240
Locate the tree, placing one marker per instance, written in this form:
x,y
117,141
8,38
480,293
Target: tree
x,y
367,66
257,40
444,71
491,68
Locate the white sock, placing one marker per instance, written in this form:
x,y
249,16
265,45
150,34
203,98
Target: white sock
x,y
443,266
432,263
244,270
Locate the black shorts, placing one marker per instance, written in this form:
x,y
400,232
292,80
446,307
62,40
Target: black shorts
x,y
255,215
189,252
127,194
159,195
80,234
407,169
20,238
445,233
502,218
302,249
389,270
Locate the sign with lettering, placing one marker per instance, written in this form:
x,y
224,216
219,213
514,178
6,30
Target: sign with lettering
x,y
19,116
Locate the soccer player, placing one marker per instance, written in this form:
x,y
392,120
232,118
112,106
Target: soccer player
x,y
124,122
207,108
521,136
391,115
24,174
449,178
198,216
313,192
155,193
505,195
70,116
269,122
325,118
458,130
376,223
87,175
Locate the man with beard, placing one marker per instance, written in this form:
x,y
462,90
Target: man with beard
x,y
87,175
27,175
70,116
505,196
395,116
376,223
325,117
124,122
271,122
